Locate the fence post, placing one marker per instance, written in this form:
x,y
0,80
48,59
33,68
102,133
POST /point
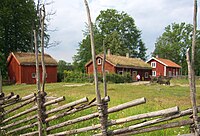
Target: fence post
x,y
191,73
101,108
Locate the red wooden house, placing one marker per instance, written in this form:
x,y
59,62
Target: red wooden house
x,y
164,67
121,64
21,68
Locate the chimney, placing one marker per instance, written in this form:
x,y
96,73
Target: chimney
x,y
157,56
127,55
108,51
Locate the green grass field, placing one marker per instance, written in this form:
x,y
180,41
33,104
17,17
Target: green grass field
x,y
158,97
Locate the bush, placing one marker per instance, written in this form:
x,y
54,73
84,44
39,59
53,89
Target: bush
x,y
79,77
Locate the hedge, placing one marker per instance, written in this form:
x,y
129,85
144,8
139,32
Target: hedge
x,y
79,77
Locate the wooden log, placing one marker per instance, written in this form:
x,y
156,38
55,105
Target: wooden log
x,y
20,114
13,98
27,97
20,100
22,128
2,95
159,127
76,109
168,111
76,131
91,116
127,105
7,97
19,106
54,101
151,122
165,112
30,134
83,100
18,122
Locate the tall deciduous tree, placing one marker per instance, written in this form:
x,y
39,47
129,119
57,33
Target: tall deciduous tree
x,y
16,19
121,27
173,43
120,34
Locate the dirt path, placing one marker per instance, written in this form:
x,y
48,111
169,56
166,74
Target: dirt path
x,y
72,85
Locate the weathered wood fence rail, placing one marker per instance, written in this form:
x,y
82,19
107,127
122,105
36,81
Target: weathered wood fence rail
x,y
19,116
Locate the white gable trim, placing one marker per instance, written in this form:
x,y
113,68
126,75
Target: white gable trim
x,y
157,60
106,60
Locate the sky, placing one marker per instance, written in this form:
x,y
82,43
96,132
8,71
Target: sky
x,y
151,17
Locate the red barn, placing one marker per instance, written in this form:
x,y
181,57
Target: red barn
x,y
164,67
121,64
21,68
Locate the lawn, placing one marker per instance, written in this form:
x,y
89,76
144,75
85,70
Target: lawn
x,y
158,97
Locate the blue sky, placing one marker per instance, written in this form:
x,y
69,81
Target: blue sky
x,y
151,17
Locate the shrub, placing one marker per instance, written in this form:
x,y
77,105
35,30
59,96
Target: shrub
x,y
79,77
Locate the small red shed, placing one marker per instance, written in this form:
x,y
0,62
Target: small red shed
x,y
120,64
21,68
164,67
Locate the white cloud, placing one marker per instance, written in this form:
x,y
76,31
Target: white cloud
x,y
151,17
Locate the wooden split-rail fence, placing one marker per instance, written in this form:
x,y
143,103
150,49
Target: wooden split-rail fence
x,y
19,116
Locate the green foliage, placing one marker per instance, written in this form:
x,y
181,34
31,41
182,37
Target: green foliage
x,y
17,18
84,51
79,77
119,30
173,43
120,34
117,78
62,66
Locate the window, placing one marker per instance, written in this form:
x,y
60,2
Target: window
x,y
33,75
146,75
153,64
153,73
170,73
99,61
176,73
120,72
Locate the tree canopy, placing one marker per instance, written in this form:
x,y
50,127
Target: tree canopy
x,y
173,43
17,18
120,34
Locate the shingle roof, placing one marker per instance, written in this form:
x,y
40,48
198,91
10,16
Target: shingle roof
x,y
168,62
27,58
121,61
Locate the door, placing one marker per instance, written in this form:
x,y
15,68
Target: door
x,y
134,74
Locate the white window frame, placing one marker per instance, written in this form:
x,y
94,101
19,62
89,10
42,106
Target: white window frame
x,y
33,75
153,73
170,73
153,64
176,73
99,61
146,75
